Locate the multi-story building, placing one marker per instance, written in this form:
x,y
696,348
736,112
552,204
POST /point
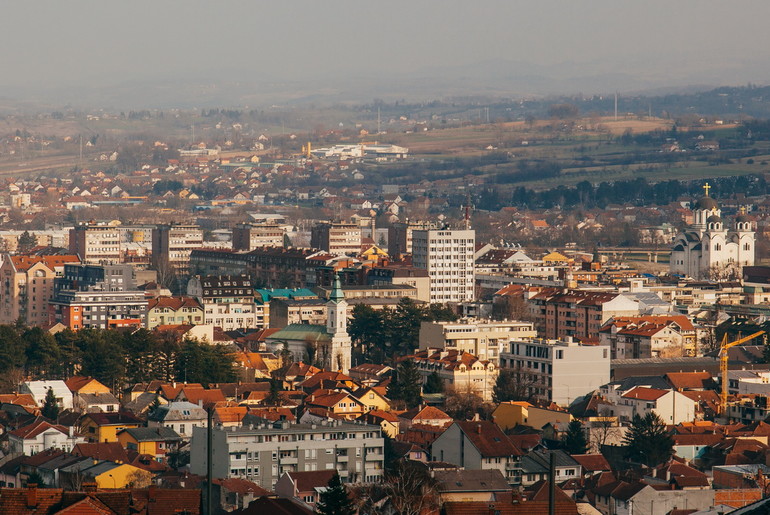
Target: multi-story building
x,y
486,339
460,370
339,238
94,296
407,275
250,236
650,336
172,245
448,257
174,311
558,371
573,313
400,235
27,285
228,301
262,453
273,267
96,243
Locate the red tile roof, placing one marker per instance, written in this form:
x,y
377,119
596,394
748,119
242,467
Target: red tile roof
x,y
488,438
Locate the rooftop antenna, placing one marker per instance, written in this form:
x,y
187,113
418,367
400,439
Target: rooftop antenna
x,y
467,215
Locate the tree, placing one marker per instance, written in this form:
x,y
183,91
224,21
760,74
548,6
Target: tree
x,y
50,408
407,386
648,441
433,384
463,403
35,478
574,440
335,500
365,330
26,242
200,362
42,353
274,396
411,489
512,384
11,348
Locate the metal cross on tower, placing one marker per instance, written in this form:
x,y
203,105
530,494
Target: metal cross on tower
x,y
706,188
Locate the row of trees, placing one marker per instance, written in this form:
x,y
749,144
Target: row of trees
x,y
382,335
114,357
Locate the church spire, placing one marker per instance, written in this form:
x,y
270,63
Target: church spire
x,y
336,294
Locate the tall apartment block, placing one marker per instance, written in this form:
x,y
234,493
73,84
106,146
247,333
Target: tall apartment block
x,y
400,235
173,244
96,243
447,255
249,236
338,238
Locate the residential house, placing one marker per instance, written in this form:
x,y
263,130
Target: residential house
x,y
671,406
157,442
42,435
305,487
39,390
174,311
180,416
104,427
478,445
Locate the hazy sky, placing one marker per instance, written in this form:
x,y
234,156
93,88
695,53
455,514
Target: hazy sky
x,y
73,43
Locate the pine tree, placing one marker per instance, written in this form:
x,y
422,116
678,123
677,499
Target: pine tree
x,y
407,385
50,408
648,440
574,440
334,500
433,384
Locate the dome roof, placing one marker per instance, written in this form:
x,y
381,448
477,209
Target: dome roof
x,y
742,218
706,203
714,218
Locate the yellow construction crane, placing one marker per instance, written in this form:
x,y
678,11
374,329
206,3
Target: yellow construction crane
x,y
723,365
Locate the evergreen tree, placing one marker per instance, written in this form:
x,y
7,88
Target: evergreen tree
x,y
648,440
335,500
50,408
407,386
36,479
574,440
26,242
433,384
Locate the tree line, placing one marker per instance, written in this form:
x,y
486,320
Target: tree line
x,y
113,357
380,336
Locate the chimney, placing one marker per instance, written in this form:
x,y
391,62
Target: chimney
x,y
478,429
32,495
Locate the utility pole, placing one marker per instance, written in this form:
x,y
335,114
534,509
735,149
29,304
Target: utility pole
x,y
551,486
209,459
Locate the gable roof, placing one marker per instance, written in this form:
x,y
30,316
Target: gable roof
x,y
488,438
308,481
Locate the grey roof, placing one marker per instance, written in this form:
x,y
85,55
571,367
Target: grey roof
x,y
629,383
141,403
180,410
471,481
539,461
153,434
98,398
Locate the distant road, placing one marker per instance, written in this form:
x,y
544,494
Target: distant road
x,y
40,164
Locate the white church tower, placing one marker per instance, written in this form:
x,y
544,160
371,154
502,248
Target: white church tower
x,y
339,356
707,250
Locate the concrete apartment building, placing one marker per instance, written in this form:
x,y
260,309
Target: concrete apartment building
x,y
274,267
262,453
94,296
448,257
400,235
457,369
96,243
228,301
26,286
338,238
559,370
250,236
486,339
172,245
561,313
407,275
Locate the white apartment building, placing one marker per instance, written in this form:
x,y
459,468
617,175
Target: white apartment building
x,y
172,245
486,339
448,256
264,452
559,371
96,243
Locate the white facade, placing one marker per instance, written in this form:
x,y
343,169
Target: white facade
x,y
560,371
708,250
448,256
486,339
671,406
39,389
